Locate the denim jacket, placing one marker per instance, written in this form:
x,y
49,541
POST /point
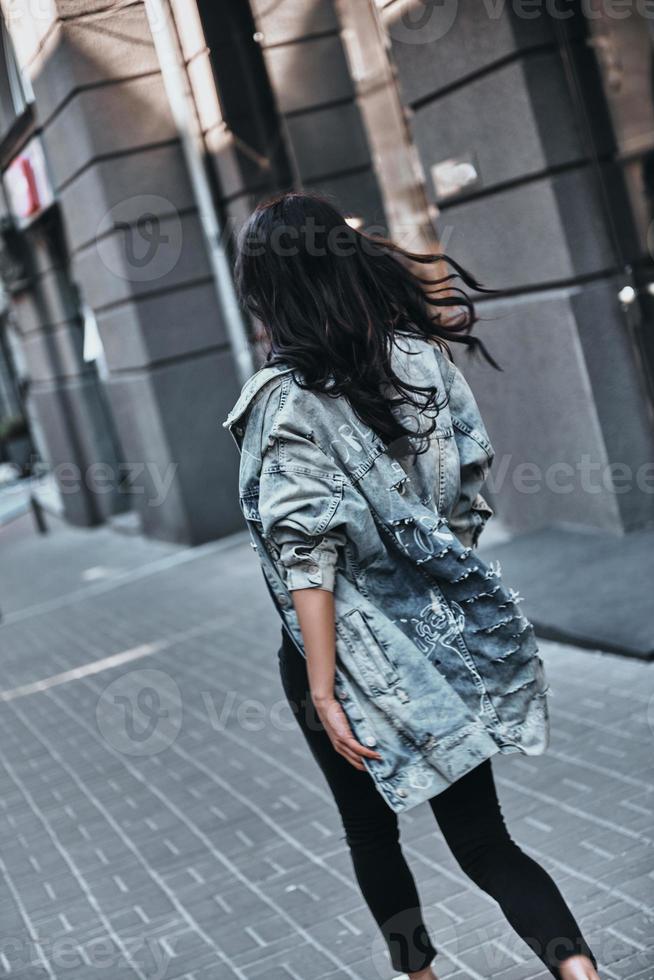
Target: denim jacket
x,y
436,666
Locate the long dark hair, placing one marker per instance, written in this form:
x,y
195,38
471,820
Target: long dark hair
x,y
333,301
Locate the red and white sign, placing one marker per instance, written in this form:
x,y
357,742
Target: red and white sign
x,y
26,181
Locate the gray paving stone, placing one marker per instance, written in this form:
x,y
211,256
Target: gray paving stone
x,y
221,852
580,606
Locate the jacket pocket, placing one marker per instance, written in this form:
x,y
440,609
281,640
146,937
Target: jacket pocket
x,y
369,653
478,435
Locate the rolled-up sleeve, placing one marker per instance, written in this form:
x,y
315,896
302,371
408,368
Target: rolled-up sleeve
x,y
308,563
300,511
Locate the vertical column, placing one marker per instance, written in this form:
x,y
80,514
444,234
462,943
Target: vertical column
x,y
308,69
137,254
69,416
73,418
520,204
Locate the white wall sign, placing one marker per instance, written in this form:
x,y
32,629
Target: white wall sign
x,y
27,184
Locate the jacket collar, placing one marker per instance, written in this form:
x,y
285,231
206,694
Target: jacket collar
x,y
250,390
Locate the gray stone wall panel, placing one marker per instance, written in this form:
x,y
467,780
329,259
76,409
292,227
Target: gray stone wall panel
x,y
318,140
152,180
288,20
309,74
438,47
356,194
161,327
80,53
179,408
546,231
73,418
109,275
106,120
55,353
620,394
540,414
509,127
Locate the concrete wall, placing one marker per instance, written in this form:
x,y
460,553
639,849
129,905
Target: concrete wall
x,y
492,89
64,399
324,132
133,240
241,126
137,253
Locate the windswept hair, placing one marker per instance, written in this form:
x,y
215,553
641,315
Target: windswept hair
x,y
333,302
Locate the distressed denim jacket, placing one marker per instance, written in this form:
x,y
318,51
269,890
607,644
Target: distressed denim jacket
x,y
436,666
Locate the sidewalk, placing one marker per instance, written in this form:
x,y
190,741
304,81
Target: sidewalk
x,y
160,816
590,588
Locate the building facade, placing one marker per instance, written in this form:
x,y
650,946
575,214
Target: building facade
x,y
135,138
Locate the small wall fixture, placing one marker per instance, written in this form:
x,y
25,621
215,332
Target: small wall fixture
x,y
627,295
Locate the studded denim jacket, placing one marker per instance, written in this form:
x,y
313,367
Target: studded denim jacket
x,y
436,666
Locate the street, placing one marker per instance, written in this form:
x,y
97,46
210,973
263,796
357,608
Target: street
x,y
160,815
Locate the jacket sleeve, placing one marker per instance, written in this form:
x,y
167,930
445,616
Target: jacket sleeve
x,y
300,499
476,454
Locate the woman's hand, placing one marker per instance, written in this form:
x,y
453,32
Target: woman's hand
x,y
315,611
338,729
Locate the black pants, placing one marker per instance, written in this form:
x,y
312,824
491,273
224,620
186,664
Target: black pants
x,y
469,816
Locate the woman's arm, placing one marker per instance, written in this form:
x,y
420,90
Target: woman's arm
x,y
300,492
315,612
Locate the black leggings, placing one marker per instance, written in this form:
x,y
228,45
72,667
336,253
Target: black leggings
x,y
469,816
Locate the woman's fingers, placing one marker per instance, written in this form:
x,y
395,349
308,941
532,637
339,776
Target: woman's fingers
x,y
338,725
353,751
353,759
355,746
346,751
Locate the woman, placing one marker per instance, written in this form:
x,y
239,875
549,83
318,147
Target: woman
x,y
405,659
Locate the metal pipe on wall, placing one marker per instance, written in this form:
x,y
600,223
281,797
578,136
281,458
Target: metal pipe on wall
x,y
176,83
